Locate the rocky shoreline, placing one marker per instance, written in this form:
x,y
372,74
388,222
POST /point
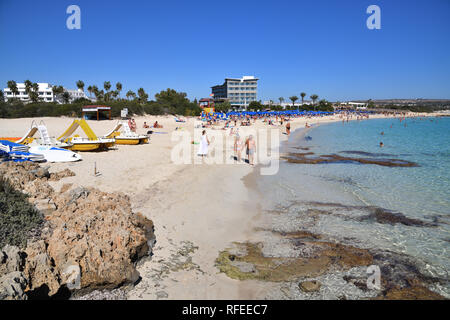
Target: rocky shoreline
x,y
304,264
88,239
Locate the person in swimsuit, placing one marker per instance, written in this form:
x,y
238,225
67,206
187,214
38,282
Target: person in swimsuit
x,y
251,148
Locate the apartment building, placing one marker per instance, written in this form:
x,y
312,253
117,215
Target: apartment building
x,y
45,93
239,92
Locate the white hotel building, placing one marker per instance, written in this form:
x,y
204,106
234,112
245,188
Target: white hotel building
x,y
45,93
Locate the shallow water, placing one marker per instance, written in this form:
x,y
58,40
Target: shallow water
x,y
420,193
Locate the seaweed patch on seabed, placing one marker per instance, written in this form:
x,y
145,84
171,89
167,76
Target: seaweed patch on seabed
x,y
247,261
334,158
368,154
374,214
303,264
302,148
308,277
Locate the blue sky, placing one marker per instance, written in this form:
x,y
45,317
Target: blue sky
x,y
321,46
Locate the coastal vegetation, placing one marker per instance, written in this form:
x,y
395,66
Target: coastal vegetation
x,y
415,108
18,217
166,102
323,105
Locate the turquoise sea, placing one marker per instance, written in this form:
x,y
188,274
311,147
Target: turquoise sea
x,y
419,193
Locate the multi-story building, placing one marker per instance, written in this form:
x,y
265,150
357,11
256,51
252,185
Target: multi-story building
x,y
239,92
287,104
45,93
76,94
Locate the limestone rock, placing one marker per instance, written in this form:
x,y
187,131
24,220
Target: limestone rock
x,y
40,268
12,286
41,172
11,260
56,176
99,232
90,240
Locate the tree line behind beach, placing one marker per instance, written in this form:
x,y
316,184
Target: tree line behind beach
x,y
167,101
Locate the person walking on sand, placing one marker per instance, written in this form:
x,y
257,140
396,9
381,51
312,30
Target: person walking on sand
x,y
251,147
203,148
288,128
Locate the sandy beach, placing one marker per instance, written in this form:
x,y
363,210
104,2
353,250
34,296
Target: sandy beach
x,y
197,209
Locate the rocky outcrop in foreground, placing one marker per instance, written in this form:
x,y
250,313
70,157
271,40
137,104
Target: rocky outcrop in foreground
x,y
90,239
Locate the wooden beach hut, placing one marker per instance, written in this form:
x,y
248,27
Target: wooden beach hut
x,y
96,109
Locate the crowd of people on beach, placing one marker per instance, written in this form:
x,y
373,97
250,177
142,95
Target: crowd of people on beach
x,y
247,144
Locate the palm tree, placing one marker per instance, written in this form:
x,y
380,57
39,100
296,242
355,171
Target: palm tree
x,y
314,97
143,97
28,88
107,85
12,85
80,85
66,97
28,85
119,87
89,89
293,99
33,92
95,91
281,100
99,95
303,95
131,94
57,91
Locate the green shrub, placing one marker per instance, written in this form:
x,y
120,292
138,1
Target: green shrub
x,y
167,102
17,216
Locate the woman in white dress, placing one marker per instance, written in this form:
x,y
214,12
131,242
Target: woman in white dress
x,y
204,142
